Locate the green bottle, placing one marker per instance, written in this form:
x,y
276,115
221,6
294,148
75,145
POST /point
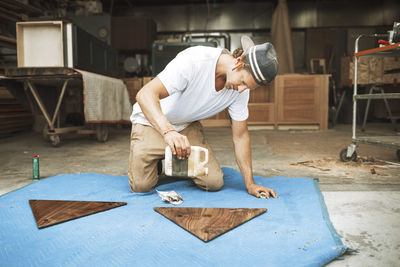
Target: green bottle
x,y
35,165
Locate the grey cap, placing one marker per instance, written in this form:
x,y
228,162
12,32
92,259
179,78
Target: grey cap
x,y
262,60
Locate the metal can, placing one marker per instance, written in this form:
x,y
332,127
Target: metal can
x,y
35,166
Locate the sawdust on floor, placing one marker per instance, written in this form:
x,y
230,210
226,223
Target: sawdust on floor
x,y
363,164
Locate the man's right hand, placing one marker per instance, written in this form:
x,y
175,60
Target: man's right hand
x,y
178,143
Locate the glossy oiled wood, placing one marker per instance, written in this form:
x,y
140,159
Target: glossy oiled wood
x,y
208,223
50,212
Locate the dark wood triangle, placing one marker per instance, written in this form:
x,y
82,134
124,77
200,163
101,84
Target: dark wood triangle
x,y
50,212
208,223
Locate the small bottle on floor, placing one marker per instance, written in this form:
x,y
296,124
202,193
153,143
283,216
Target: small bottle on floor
x,y
35,166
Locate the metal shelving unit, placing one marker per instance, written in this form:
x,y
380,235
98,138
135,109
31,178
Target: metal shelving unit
x,y
349,153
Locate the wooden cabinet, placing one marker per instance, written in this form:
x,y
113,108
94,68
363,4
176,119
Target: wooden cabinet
x,y
261,113
292,100
302,100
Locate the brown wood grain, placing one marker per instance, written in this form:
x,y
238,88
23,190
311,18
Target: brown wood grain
x,y
208,223
261,113
302,99
50,212
291,99
42,72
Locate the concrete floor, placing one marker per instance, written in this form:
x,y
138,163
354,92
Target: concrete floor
x,y
363,198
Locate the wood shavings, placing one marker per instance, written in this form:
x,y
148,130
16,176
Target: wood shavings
x,y
364,164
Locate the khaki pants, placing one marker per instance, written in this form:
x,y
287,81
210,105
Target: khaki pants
x,y
148,148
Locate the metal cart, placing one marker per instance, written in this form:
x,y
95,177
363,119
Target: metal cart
x,y
393,141
60,78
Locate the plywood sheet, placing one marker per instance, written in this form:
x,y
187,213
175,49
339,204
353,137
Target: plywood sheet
x,y
208,223
371,70
40,44
50,212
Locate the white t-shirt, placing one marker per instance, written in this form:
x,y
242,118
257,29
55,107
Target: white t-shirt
x,y
190,81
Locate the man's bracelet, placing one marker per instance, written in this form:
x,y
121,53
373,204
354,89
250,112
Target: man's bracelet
x,y
167,131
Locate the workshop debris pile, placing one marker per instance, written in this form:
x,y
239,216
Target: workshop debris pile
x,y
364,164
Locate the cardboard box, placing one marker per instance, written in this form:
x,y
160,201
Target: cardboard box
x,y
390,63
133,85
371,70
147,80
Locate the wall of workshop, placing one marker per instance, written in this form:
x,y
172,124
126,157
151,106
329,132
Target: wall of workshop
x,y
342,21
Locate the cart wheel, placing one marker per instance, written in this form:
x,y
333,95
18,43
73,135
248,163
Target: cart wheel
x,y
101,132
55,140
398,154
344,158
45,133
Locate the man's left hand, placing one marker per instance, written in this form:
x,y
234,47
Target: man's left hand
x,y
256,191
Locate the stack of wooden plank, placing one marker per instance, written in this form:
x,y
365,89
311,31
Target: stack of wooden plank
x,y
13,116
13,11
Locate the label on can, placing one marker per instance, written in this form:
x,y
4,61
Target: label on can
x,y
179,166
35,167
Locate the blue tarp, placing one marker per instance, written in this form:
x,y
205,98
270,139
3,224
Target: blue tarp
x,y
295,231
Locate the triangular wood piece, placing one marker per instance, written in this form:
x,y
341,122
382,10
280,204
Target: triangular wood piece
x,y
50,212
208,223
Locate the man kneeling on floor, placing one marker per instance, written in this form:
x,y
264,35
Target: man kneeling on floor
x,y
197,84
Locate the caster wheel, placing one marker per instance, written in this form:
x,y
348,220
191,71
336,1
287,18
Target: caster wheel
x,y
344,158
398,154
54,140
101,132
45,133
